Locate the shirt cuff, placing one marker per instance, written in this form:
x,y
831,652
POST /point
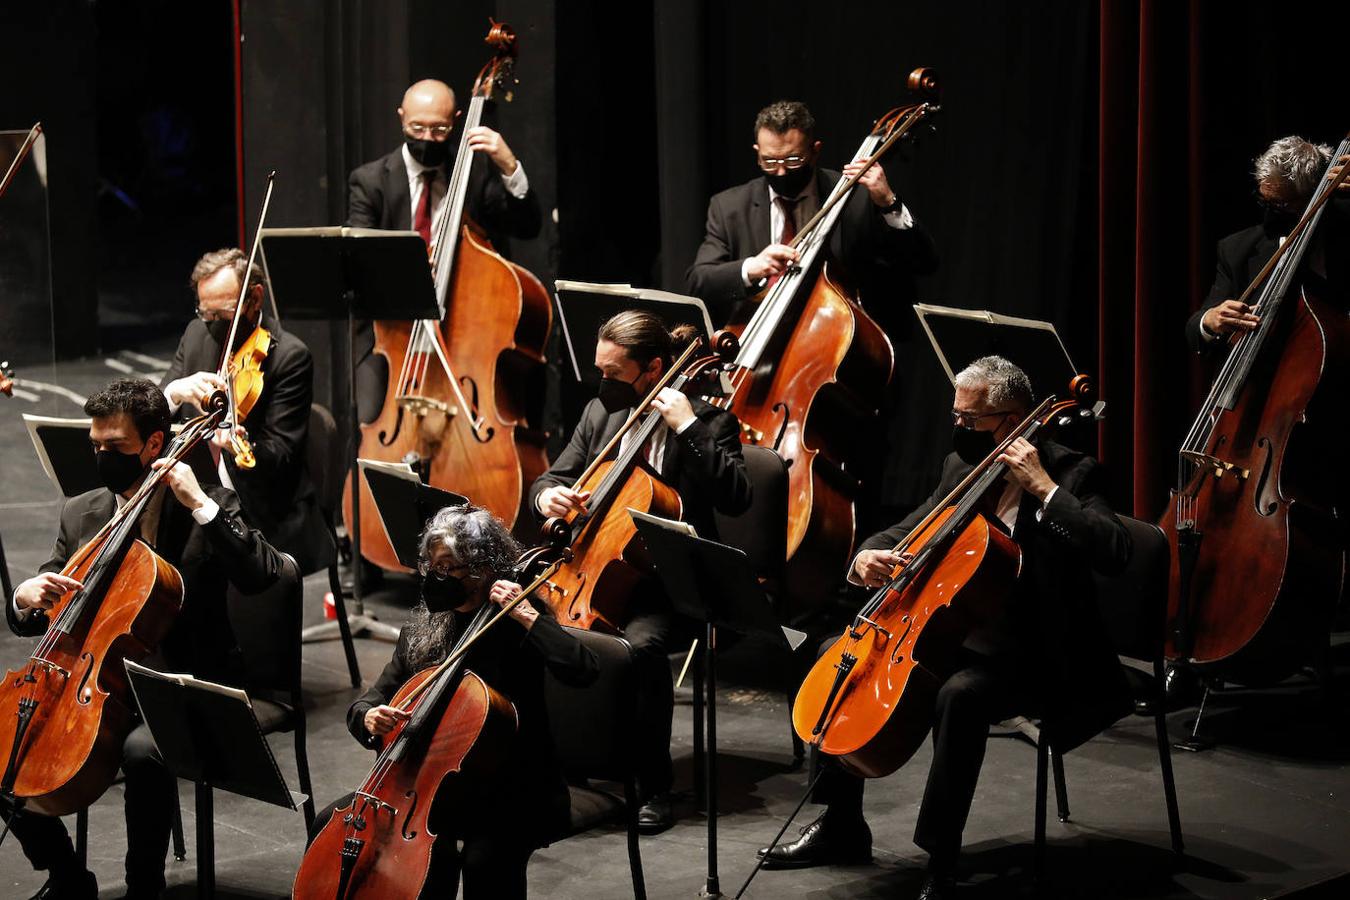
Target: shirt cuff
x,y
517,185
685,427
901,219
1205,333
745,272
173,407
1045,504
206,513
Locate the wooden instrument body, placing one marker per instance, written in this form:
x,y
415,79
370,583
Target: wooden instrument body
x,y
812,404
1269,565
595,587
73,746
246,371
884,710
494,332
388,827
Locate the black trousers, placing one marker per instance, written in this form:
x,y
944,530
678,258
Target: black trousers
x,y
655,631
984,691
149,819
493,865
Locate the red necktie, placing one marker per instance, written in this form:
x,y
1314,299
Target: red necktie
x,y
422,220
786,205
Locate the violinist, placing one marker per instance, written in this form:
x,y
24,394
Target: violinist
x,y
276,493
745,244
1044,655
698,452
466,558
197,529
406,190
1287,175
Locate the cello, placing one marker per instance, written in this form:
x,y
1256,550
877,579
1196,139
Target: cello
x,y
379,845
1257,554
812,368
869,700
607,559
454,407
71,704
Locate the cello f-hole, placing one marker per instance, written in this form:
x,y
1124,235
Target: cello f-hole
x,y
407,820
782,426
83,694
1263,499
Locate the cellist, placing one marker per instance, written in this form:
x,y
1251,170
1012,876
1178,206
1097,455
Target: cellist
x,y
1046,653
698,452
465,560
276,493
200,531
406,189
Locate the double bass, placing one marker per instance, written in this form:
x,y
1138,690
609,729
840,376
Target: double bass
x,y
379,845
607,559
68,710
454,408
1258,556
869,700
813,369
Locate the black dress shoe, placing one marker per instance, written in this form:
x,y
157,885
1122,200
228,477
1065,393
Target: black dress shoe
x,y
822,843
937,887
657,814
73,886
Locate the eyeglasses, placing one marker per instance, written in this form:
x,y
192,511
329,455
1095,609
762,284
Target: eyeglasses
x,y
968,420
768,164
215,315
439,132
441,572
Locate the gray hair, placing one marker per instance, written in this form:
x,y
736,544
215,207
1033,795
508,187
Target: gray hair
x,y
1003,382
225,258
785,115
1294,160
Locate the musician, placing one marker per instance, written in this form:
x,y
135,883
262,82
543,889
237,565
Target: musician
x,y
745,244
465,560
1287,176
392,192
200,531
697,451
276,494
1045,655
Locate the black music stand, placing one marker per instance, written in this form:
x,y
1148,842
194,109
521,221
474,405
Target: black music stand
x,y
62,446
207,734
339,274
404,505
716,585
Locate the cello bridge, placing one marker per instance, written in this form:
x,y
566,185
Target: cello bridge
x,y
1214,464
553,588
426,406
51,667
753,435
877,627
376,802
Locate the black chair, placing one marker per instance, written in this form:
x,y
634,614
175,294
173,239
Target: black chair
x,y
593,730
328,472
1133,607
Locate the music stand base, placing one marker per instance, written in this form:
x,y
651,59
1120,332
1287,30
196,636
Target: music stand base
x,y
360,625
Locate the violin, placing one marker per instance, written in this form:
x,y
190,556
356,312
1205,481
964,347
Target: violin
x,y
1258,556
594,588
242,370
379,845
811,374
869,700
70,705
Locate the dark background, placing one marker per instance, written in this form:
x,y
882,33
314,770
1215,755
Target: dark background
x,y
1087,157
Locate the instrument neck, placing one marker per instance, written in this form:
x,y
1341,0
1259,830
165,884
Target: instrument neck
x,y
447,235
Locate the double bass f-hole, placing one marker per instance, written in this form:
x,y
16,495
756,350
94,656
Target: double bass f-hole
x,y
387,438
482,432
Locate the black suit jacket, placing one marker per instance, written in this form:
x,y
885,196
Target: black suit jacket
x,y
880,261
1240,257
201,641
704,463
530,798
1054,605
277,495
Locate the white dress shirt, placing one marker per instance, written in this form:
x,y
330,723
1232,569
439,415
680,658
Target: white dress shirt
x,y
517,185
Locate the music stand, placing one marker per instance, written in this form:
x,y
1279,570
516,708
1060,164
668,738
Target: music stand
x,y
62,447
207,734
715,584
404,504
344,274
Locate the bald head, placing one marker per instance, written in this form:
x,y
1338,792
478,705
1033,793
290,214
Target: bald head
x,y
428,97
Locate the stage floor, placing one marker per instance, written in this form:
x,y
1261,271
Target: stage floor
x,y
1267,810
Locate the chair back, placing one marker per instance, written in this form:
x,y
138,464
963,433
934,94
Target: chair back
x,y
760,531
593,727
323,458
267,627
1133,604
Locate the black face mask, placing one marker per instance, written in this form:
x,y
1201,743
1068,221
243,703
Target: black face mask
x,y
118,471
971,445
616,394
1277,223
219,329
443,595
428,153
792,182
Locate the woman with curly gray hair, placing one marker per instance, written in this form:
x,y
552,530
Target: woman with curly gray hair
x,y
466,559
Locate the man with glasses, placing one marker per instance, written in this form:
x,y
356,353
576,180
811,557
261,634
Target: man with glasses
x,y
1044,654
406,189
746,243
276,493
